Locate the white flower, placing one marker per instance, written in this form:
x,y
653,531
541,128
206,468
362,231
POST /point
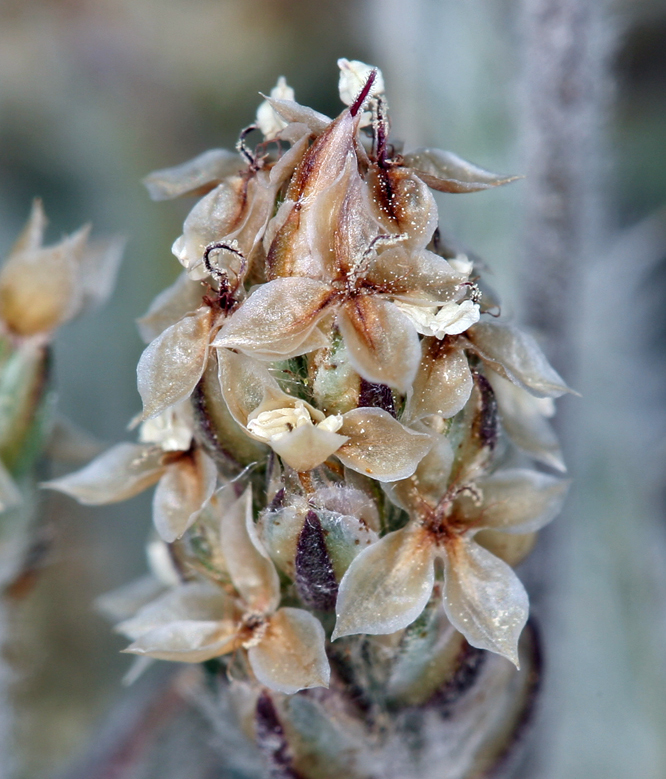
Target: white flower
x,y
171,430
353,76
449,319
268,120
462,264
274,424
370,441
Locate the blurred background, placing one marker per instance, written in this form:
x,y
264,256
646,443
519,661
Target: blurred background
x,y
94,94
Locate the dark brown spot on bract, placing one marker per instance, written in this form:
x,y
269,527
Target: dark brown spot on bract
x,y
376,396
272,741
315,579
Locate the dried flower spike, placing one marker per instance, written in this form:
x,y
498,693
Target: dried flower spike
x,y
329,413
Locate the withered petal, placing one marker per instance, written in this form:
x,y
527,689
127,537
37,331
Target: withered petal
x,y
252,572
382,344
28,305
483,598
10,495
187,641
516,356
403,204
183,297
291,111
447,172
197,600
202,172
244,383
524,422
182,492
379,446
212,219
120,473
443,382
516,500
291,656
170,367
388,585
417,277
430,481
277,319
32,235
98,269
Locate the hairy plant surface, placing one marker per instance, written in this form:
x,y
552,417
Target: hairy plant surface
x,y
339,427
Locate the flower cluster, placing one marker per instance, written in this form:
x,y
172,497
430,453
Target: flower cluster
x,y
333,414
41,288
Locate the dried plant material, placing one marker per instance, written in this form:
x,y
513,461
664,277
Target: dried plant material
x,y
329,403
81,274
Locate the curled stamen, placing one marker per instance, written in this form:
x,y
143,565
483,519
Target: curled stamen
x,y
220,273
242,149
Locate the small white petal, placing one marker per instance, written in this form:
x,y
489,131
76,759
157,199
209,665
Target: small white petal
x,y
331,424
171,430
450,319
268,120
462,264
270,425
353,77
